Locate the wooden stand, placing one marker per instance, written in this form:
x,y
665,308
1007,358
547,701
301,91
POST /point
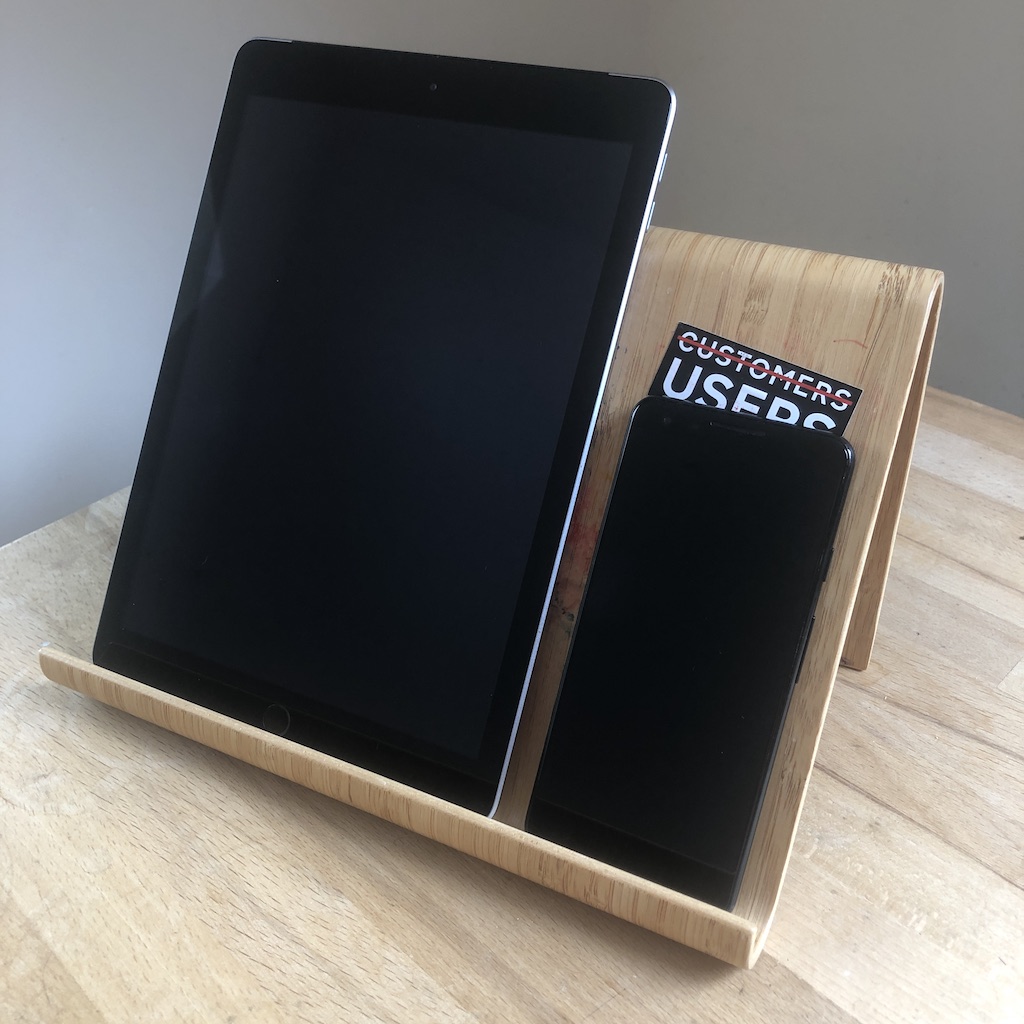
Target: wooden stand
x,y
869,324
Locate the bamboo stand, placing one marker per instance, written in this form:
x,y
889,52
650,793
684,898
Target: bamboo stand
x,y
869,324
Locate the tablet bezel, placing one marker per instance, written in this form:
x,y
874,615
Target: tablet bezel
x,y
589,104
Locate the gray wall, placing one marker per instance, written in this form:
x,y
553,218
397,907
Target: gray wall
x,y
886,130
891,129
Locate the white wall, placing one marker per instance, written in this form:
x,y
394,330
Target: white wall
x,y
886,129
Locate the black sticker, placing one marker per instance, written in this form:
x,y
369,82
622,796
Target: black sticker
x,y
708,370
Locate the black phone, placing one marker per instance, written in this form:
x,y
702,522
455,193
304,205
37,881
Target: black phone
x,y
696,615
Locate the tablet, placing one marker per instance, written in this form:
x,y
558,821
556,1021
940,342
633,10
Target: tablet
x,y
381,380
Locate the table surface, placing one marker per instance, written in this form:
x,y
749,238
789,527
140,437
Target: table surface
x,y
144,877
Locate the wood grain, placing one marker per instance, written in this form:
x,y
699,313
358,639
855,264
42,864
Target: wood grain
x,y
146,877
713,931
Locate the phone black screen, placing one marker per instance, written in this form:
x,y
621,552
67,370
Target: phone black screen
x,y
691,634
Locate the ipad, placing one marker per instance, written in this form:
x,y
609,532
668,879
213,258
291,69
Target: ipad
x,y
381,379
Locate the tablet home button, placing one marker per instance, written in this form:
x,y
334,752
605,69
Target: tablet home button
x,y
276,719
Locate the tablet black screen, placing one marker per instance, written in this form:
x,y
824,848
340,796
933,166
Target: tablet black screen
x,y
354,457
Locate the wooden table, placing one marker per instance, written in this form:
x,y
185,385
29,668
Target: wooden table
x,y
145,877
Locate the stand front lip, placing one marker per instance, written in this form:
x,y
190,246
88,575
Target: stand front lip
x,y
726,936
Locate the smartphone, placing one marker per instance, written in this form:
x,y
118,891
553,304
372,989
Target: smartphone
x,y
694,622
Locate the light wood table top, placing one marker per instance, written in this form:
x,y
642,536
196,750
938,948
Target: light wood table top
x,y
144,877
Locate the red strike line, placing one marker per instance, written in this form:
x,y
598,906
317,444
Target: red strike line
x,y
768,373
